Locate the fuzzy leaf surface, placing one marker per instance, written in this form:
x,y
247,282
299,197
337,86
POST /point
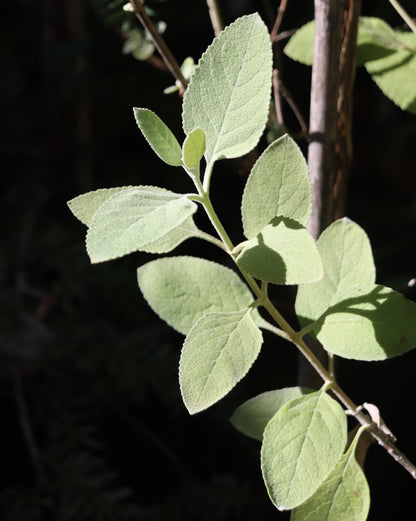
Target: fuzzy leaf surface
x,y
278,185
229,93
355,318
302,444
344,496
134,219
347,261
368,324
183,289
159,136
253,415
217,353
84,206
283,253
193,148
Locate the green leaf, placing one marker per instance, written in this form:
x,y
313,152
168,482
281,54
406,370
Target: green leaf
x,y
302,444
217,353
229,93
159,137
375,39
300,45
347,260
183,289
395,73
84,206
278,185
193,148
374,323
344,496
172,239
283,253
354,317
253,415
134,219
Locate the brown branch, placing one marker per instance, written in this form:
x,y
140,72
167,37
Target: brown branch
x,y
278,100
347,67
216,17
159,42
280,13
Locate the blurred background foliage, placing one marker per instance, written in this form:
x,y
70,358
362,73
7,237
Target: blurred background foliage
x,y
93,426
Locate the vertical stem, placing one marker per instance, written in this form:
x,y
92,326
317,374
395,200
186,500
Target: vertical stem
x,y
323,112
323,134
216,17
351,16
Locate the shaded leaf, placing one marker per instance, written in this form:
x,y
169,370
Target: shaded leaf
x,y
344,496
283,253
183,289
300,45
133,219
302,444
278,185
253,415
229,93
159,136
217,353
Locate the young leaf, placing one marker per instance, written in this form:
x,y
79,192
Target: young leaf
x,y
84,206
229,93
371,324
253,415
183,289
278,185
193,148
302,444
133,219
159,136
347,260
217,353
344,496
282,253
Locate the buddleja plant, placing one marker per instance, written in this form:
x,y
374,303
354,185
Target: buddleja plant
x,y
306,464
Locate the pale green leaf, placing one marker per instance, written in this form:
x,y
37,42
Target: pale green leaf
x,y
193,148
375,39
217,353
253,415
371,323
159,136
302,444
134,219
172,239
278,185
300,45
283,253
183,289
229,93
395,74
344,496
347,260
84,206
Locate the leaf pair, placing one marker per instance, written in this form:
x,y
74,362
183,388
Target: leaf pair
x,y
211,305
304,434
351,315
275,208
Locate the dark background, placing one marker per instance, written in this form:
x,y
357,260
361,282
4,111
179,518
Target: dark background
x,y
93,427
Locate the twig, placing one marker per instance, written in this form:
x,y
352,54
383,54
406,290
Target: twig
x,y
283,35
406,17
159,42
291,102
277,100
280,13
216,17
